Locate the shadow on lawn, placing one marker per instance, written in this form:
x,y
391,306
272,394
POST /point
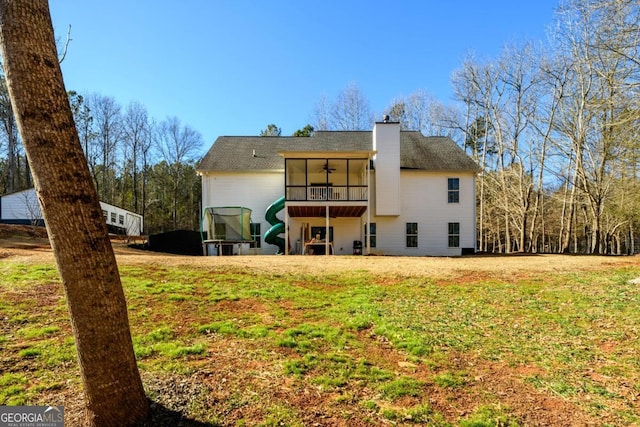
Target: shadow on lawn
x,y
161,416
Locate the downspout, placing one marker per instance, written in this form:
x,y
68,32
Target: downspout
x,y
367,234
286,212
475,217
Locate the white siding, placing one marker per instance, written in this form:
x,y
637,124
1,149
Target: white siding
x,y
133,224
23,206
255,191
424,201
118,217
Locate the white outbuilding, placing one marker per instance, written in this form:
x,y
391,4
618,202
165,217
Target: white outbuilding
x,y
21,207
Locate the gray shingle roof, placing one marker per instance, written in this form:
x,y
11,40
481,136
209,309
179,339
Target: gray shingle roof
x,y
236,153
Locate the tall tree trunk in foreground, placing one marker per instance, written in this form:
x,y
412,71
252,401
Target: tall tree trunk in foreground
x,y
83,253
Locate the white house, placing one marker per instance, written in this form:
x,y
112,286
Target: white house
x,y
386,192
21,207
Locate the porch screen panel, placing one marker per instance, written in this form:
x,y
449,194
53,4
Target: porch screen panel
x,y
357,171
296,172
296,179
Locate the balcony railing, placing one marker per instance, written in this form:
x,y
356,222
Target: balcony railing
x,y
326,193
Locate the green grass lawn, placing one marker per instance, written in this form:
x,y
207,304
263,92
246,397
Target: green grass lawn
x,y
245,348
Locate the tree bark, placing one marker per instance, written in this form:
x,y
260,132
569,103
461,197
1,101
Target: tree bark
x,y
70,206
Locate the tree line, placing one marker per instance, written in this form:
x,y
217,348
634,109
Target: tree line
x,y
553,127
137,163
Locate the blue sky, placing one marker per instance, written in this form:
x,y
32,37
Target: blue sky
x,y
232,67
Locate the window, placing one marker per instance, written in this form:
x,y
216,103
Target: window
x,y
256,234
454,234
113,217
105,214
412,234
121,219
453,187
372,230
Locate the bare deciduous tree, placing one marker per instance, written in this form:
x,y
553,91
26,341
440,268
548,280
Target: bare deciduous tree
x,y
137,143
422,112
107,126
598,40
350,111
177,144
10,137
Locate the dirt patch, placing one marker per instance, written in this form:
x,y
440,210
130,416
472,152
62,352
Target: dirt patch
x,y
21,231
505,385
236,382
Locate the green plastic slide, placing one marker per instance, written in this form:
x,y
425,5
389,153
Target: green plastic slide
x,y
277,226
